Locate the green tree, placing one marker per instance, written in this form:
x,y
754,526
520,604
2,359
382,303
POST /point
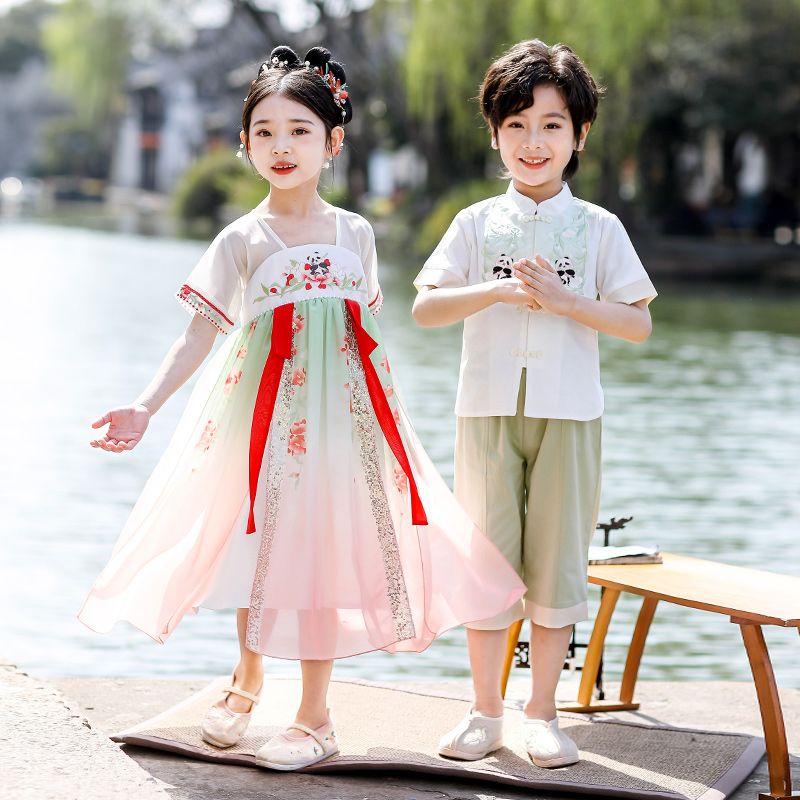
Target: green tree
x,y
87,43
450,46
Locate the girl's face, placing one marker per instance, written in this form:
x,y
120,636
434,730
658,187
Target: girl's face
x,y
536,143
288,144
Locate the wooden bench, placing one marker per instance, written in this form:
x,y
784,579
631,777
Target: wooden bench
x,y
749,597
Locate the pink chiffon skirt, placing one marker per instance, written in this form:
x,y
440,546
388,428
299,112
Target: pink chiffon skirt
x,y
337,565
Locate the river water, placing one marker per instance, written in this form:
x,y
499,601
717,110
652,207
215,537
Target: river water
x,y
701,445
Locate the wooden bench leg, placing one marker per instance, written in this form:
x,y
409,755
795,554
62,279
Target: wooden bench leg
x,y
636,649
511,647
780,779
594,655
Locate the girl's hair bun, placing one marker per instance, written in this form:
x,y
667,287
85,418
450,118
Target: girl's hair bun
x,y
321,57
282,57
318,56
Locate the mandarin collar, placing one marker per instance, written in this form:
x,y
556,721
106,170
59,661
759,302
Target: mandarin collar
x,y
553,206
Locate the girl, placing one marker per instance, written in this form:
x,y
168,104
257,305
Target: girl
x,y
524,271
294,489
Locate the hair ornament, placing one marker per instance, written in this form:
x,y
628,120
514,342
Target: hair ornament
x,y
338,89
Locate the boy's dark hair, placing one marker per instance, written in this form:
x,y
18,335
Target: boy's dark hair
x,y
507,87
283,73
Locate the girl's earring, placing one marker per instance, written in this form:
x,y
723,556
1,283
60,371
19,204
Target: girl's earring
x,y
240,151
327,164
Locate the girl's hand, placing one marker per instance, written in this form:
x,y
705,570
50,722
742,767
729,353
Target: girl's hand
x,y
126,426
542,281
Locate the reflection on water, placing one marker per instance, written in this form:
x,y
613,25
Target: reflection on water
x,y
701,438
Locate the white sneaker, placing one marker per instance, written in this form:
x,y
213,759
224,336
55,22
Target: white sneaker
x,y
546,745
473,738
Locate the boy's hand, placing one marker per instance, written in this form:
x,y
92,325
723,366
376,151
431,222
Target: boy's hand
x,y
545,286
126,426
513,292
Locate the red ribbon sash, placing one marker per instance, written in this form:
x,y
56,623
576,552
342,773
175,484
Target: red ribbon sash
x,y
280,350
366,344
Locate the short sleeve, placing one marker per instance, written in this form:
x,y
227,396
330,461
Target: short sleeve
x,y
448,265
369,258
214,287
621,277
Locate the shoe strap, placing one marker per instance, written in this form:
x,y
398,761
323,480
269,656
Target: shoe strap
x,y
254,698
314,734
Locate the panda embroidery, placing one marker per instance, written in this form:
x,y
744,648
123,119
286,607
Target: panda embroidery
x,y
565,270
502,267
317,266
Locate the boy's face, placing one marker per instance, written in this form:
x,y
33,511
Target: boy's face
x,y
536,144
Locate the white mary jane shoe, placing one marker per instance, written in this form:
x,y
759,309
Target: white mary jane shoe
x,y
287,752
547,746
224,727
473,738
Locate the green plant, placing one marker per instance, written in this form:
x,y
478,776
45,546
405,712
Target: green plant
x,y
463,195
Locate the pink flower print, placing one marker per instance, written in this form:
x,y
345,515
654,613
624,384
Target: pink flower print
x,y
308,286
352,283
273,290
231,381
299,377
297,438
385,363
252,327
396,415
298,323
242,352
289,276
400,480
207,437
389,389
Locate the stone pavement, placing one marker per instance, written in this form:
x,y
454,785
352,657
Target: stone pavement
x,y
54,745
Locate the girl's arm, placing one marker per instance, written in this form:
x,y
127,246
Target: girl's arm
x,y
127,424
541,281
434,307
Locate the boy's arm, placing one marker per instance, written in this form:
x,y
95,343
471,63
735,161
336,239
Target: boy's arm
x,y
434,307
128,423
541,281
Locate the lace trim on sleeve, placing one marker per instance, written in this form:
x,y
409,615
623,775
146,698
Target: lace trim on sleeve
x,y
377,304
194,302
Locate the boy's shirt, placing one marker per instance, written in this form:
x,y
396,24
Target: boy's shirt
x,y
593,255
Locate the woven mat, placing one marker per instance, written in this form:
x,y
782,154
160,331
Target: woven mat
x,y
386,728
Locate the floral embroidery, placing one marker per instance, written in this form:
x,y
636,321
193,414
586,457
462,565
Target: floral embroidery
x,y
207,437
299,377
297,438
396,415
242,352
231,381
385,363
389,390
316,272
298,323
253,325
400,480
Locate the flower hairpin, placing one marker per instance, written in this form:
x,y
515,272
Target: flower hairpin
x,y
338,89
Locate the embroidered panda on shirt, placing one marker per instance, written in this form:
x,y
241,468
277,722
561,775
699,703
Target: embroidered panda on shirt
x,y
317,266
502,267
566,271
